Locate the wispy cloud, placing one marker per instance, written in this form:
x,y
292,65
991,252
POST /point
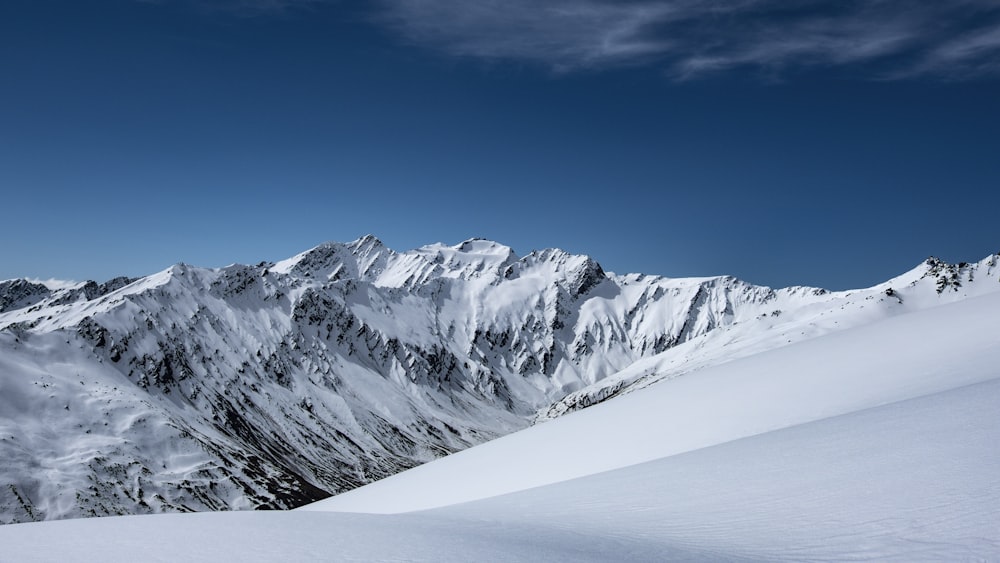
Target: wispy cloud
x,y
691,38
561,33
966,55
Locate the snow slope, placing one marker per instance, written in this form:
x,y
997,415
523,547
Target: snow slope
x,y
873,443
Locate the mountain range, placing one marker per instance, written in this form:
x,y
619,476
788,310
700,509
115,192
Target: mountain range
x,y
282,383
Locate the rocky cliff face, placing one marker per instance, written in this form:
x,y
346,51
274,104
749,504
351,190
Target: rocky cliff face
x,y
272,385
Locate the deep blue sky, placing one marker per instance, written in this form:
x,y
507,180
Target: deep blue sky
x,y
836,144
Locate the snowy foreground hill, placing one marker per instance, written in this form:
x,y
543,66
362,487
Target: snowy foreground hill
x,y
877,442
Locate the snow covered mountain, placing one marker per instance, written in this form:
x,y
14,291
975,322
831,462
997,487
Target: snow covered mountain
x,y
874,443
273,385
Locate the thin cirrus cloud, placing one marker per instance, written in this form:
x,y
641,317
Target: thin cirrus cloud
x,y
887,39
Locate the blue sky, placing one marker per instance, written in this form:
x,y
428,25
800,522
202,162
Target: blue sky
x,y
832,144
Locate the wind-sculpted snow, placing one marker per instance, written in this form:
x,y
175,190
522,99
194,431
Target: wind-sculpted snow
x,y
276,384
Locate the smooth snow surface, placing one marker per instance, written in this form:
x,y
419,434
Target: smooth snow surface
x,y
910,481
873,443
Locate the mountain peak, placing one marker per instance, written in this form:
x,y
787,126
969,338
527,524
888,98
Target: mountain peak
x,y
320,257
20,293
483,246
367,242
